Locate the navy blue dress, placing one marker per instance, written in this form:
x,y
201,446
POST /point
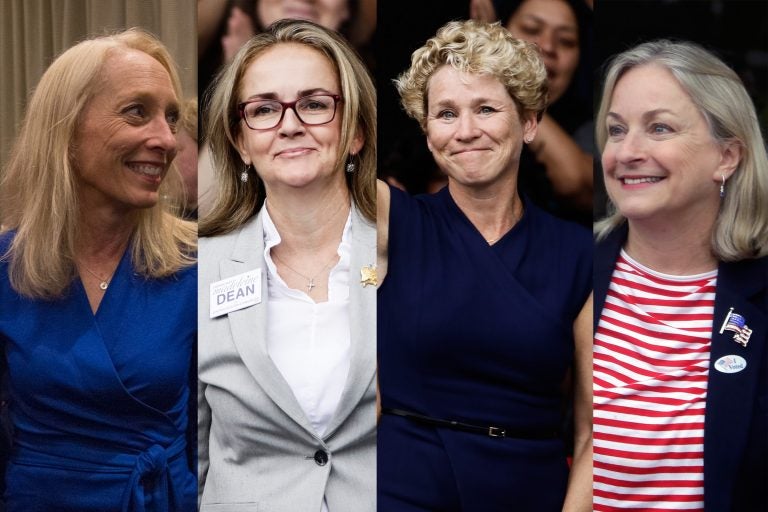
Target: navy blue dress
x,y
99,403
479,334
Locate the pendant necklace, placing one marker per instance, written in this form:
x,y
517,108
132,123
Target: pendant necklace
x,y
310,280
103,283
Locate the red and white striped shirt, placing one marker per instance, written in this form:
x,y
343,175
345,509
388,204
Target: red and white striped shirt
x,y
651,362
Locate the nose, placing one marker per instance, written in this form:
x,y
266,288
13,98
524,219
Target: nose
x,y
162,137
547,43
631,149
466,128
290,125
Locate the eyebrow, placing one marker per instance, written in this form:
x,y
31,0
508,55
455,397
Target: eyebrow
x,y
559,28
646,115
299,94
475,102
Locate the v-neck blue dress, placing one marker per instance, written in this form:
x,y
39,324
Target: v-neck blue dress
x,y
481,334
99,403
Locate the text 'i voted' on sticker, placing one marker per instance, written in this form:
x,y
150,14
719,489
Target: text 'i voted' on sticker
x,y
730,364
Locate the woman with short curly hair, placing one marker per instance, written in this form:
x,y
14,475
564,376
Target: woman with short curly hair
x,y
484,313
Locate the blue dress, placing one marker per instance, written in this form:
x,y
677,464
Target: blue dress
x,y
482,335
99,402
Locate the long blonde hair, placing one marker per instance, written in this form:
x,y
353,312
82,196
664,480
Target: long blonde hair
x,y
39,190
236,202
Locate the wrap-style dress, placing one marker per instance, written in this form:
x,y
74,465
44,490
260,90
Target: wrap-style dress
x,y
99,402
483,335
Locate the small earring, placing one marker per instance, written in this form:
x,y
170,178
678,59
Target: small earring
x,y
722,186
244,174
350,165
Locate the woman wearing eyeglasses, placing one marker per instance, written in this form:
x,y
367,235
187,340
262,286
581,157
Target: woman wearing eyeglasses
x,y
287,280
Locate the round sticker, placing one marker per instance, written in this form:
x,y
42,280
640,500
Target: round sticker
x,y
730,364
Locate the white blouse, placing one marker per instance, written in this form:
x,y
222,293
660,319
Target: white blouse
x,y
309,342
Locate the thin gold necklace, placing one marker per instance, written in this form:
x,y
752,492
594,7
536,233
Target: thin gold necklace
x,y
104,283
310,280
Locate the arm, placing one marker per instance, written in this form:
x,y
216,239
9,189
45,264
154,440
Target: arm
x,y
203,433
382,229
579,495
569,168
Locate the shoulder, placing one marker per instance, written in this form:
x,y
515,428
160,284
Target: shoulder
x,y
558,231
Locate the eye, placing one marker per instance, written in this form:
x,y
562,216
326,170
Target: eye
x,y
485,109
137,110
172,118
615,130
567,42
660,129
446,115
262,109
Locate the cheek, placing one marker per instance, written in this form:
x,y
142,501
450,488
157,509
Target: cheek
x,y
608,159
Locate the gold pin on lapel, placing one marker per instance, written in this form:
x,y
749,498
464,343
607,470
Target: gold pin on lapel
x,y
368,275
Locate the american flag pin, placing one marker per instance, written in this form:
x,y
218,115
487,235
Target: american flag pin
x,y
737,324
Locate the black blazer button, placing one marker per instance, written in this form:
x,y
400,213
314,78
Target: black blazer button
x,y
321,458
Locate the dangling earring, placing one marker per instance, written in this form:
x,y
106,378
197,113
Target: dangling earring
x,y
722,186
350,165
244,174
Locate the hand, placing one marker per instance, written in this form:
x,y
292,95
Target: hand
x,y
482,10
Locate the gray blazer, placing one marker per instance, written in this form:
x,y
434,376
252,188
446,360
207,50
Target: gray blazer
x,y
257,450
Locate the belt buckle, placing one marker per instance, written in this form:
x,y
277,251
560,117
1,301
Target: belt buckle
x,y
496,432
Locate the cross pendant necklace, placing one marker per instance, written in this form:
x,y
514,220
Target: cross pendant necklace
x,y
310,280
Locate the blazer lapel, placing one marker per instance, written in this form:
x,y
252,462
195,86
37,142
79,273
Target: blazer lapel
x,y
249,324
362,315
606,253
731,396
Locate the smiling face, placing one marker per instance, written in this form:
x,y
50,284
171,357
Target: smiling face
x,y
552,25
292,154
327,13
473,128
660,161
125,141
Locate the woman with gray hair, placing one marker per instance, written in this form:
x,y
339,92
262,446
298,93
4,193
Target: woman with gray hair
x,y
681,287
484,312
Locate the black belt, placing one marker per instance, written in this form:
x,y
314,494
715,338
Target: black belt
x,y
490,431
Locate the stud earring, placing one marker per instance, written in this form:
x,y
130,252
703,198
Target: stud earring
x,y
722,186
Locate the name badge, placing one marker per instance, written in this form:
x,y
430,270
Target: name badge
x,y
236,292
730,364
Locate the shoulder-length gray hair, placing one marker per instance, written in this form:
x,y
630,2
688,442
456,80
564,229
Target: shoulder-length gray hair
x,y
39,191
237,202
741,227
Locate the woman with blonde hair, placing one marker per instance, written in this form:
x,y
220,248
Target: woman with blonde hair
x,y
681,287
287,362
484,312
97,287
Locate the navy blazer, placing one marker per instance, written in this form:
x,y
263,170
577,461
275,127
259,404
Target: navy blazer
x,y
736,417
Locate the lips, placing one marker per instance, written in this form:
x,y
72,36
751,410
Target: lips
x,y
293,152
469,150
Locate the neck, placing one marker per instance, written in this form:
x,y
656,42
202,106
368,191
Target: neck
x,y
103,234
493,210
309,222
677,249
